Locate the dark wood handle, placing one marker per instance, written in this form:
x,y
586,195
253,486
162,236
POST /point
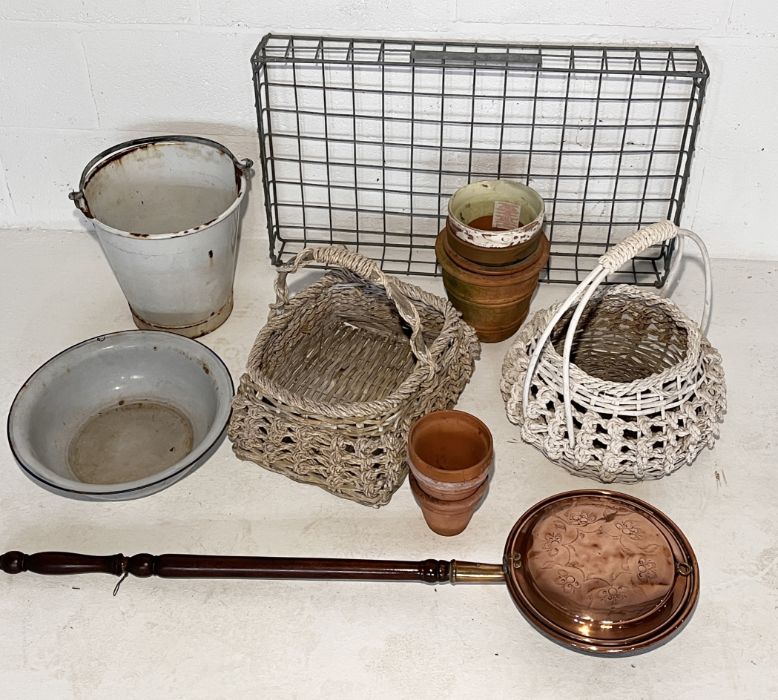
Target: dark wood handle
x,y
202,566
194,566
60,563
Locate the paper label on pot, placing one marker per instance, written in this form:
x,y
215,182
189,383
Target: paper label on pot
x,y
506,215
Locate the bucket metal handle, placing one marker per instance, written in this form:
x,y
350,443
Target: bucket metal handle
x,y
79,198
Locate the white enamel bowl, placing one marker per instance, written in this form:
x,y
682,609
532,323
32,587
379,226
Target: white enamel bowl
x,y
121,416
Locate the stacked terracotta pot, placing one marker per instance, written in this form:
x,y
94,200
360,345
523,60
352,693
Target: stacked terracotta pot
x,y
450,454
492,251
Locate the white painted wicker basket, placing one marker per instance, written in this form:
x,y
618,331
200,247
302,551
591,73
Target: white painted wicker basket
x,y
616,383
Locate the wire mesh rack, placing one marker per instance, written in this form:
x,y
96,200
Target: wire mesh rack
x,y
364,140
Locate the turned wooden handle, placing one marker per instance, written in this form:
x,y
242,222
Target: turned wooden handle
x,y
60,563
202,566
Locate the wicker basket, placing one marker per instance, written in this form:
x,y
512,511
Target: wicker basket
x,y
340,372
628,388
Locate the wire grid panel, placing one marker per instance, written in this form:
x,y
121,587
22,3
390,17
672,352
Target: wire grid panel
x,y
363,141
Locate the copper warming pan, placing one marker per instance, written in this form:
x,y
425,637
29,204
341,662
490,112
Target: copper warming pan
x,y
595,570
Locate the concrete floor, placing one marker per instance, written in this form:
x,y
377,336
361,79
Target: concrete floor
x,y
68,637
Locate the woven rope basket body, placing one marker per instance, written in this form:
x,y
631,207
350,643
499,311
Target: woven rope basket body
x,y
616,383
341,371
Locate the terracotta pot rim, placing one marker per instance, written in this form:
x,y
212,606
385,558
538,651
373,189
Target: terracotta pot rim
x,y
448,490
440,506
492,257
454,490
529,266
451,475
468,244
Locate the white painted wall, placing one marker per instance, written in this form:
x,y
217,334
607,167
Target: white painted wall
x,y
77,76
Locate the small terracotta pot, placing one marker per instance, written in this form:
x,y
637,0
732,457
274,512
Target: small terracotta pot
x,y
492,256
447,518
449,453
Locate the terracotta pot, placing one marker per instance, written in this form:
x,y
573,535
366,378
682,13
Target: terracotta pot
x,y
447,518
492,256
494,300
449,453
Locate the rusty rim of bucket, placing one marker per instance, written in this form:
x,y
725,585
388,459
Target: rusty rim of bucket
x,y
121,149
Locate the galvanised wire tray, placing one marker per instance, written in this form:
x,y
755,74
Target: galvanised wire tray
x,y
364,140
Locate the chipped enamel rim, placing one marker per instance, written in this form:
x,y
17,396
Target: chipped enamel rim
x,y
477,199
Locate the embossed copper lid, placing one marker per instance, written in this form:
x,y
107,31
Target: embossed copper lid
x,y
601,571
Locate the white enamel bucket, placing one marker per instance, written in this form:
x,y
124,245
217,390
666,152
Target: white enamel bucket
x,y
166,211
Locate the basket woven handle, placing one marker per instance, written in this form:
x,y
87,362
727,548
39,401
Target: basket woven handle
x,y
608,263
637,243
368,270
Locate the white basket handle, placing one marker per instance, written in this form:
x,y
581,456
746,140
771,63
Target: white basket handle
x,y
608,263
368,270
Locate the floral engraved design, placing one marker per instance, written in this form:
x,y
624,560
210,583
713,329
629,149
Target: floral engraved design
x,y
628,528
646,570
613,594
567,581
583,518
553,540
